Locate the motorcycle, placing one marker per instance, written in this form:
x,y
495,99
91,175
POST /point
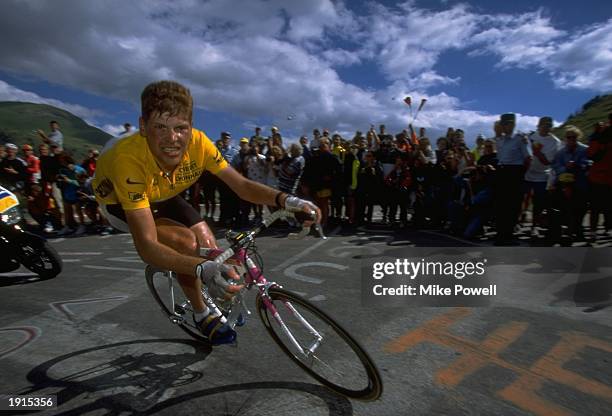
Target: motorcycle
x,y
20,247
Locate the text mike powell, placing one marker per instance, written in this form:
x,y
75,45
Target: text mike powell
x,y
428,283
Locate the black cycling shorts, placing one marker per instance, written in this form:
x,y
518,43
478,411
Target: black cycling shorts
x,y
175,208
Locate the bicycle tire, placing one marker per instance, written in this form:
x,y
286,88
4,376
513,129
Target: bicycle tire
x,y
374,387
190,329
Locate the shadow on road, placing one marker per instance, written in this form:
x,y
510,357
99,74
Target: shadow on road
x,y
131,378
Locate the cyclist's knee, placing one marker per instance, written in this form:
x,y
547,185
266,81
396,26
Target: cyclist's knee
x,y
203,234
180,238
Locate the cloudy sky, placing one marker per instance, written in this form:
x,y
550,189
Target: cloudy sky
x,y
298,64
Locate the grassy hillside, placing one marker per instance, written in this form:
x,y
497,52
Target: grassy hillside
x,y
595,110
18,121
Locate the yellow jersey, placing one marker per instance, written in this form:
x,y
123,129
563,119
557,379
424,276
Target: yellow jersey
x,y
128,174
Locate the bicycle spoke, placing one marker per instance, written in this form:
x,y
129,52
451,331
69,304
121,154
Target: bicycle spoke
x,y
319,345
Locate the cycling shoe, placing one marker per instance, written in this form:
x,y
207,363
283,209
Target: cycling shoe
x,y
216,332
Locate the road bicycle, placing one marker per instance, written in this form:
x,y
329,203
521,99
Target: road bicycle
x,y
306,334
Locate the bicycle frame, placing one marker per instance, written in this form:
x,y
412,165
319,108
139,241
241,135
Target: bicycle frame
x,y
252,278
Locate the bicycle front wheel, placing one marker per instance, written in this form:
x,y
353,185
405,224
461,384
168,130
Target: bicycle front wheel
x,y
319,345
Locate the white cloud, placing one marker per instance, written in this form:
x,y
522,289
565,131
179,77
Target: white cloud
x,y
582,61
270,59
520,40
410,40
585,60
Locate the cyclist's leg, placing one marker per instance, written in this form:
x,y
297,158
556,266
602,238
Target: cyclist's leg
x,y
183,240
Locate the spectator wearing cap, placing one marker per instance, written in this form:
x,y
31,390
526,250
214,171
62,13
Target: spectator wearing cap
x,y
32,166
227,150
544,146
513,154
13,170
55,136
238,160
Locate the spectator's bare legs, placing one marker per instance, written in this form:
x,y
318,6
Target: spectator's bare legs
x,y
323,204
69,215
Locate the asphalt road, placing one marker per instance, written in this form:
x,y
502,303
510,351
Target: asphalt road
x,y
94,337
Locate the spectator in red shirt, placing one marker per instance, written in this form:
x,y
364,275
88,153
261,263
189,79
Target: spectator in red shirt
x,y
89,164
32,165
600,175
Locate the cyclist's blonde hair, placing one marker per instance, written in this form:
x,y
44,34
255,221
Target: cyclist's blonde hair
x,y
166,97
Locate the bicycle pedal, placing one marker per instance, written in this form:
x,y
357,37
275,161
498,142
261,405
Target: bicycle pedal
x,y
176,319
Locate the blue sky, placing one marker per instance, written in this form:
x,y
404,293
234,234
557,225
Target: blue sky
x,y
306,64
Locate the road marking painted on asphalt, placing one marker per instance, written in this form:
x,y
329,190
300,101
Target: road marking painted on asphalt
x,y
62,306
127,269
31,333
19,274
523,391
345,250
303,253
71,260
56,240
318,298
291,271
126,259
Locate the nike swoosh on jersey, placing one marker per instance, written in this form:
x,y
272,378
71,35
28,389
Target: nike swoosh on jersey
x,y
133,183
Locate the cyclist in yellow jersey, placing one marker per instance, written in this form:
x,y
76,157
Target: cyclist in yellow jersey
x,y
139,178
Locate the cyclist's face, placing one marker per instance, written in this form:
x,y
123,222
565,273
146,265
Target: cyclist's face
x,y
167,138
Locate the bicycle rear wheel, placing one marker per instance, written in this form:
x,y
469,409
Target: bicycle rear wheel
x,y
338,361
170,297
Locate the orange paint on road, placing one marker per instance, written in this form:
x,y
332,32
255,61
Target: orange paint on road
x,y
475,356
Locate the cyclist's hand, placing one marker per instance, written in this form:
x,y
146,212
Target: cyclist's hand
x,y
295,204
218,287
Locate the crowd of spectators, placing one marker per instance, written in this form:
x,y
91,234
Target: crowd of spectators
x,y
55,188
534,179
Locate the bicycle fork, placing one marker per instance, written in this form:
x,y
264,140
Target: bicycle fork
x,y
307,352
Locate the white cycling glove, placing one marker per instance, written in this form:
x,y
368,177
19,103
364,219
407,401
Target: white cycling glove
x,y
211,275
295,204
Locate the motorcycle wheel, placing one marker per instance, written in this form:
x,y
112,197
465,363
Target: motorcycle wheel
x,y
42,259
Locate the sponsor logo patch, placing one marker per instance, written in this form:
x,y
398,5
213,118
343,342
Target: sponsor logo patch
x,y
104,188
136,196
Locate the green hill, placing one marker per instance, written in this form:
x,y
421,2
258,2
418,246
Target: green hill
x,y
19,120
595,110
